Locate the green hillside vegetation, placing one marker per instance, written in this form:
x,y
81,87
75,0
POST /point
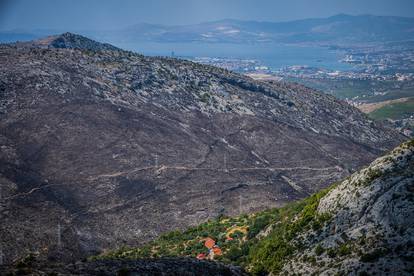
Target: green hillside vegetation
x,y
270,237
364,89
393,94
394,111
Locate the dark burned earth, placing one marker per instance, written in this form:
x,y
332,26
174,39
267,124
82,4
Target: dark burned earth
x,y
102,147
163,266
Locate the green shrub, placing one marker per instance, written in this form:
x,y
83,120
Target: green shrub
x,y
237,235
374,255
205,98
259,224
234,253
319,250
371,175
344,250
331,252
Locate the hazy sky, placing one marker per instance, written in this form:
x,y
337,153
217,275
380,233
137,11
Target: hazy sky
x,y
104,14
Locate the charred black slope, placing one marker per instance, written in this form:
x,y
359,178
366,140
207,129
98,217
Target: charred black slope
x,y
102,147
149,267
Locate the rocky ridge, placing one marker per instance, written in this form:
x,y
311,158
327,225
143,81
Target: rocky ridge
x,y
372,226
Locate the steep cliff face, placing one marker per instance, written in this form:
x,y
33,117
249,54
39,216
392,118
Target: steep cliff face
x,y
101,147
372,229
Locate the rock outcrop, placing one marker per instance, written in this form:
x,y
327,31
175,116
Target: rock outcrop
x,y
372,225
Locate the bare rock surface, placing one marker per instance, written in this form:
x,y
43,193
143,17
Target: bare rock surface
x,y
372,225
101,147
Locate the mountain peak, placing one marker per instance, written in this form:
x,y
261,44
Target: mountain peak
x,y
341,16
73,41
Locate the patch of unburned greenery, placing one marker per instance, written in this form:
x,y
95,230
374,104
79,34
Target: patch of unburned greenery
x,y
271,253
257,253
394,111
227,232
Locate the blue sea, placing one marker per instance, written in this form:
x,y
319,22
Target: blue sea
x,y
274,56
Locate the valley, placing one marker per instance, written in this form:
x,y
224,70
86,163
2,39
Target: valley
x,y
112,148
324,233
362,224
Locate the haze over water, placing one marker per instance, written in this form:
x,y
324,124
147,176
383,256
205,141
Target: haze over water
x,y
272,55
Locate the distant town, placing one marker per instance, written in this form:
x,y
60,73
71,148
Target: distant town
x,y
380,77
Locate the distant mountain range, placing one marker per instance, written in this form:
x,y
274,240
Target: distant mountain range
x,y
340,29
